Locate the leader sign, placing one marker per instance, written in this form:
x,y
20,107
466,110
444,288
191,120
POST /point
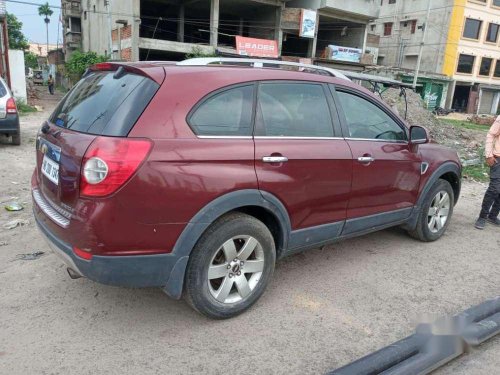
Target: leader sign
x,y
256,47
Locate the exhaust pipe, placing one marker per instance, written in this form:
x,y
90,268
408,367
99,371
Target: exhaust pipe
x,y
73,274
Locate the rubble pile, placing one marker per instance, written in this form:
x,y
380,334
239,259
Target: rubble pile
x,y
468,143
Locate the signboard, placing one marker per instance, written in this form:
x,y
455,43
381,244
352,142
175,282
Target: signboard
x,y
256,47
344,53
307,27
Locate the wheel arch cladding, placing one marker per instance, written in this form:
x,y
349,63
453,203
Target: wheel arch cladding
x,y
262,205
448,171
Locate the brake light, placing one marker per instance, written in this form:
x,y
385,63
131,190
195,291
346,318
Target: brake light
x,y
11,106
103,66
109,163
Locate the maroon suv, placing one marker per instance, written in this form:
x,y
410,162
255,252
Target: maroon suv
x,y
197,178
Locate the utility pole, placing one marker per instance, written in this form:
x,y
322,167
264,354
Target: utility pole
x,y
425,26
110,26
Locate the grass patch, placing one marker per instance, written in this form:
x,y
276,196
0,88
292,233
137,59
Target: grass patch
x,y
24,108
477,172
465,124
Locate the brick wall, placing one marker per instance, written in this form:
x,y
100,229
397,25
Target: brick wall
x,y
126,33
127,54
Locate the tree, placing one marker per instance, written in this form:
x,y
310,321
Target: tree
x,y
17,40
30,60
44,10
80,61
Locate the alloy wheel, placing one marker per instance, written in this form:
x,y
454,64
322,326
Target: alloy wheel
x,y
438,213
235,269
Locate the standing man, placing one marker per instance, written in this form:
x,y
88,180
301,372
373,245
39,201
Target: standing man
x,y
491,202
50,82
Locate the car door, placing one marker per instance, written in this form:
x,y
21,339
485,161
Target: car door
x,y
386,169
301,159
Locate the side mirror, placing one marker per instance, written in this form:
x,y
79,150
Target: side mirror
x,y
418,135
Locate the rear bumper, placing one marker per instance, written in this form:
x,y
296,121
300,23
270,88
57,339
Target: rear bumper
x,y
129,271
9,124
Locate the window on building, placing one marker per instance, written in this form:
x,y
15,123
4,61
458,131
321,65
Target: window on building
x,y
392,1
472,28
365,120
496,73
466,63
496,3
373,27
387,28
293,110
485,68
413,26
226,113
492,34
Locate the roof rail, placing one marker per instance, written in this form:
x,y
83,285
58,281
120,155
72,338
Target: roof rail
x,y
259,63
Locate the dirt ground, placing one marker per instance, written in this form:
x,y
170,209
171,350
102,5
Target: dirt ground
x,y
323,309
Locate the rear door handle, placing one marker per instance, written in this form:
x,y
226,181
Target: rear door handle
x,y
274,159
366,159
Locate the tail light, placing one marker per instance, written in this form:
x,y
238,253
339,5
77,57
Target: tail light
x,y
84,254
109,163
11,106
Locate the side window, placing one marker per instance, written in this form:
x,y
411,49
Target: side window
x,y
293,110
367,121
228,113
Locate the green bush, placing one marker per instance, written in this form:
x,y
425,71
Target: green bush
x,y
80,61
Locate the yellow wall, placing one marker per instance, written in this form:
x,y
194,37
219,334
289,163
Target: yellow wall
x,y
454,34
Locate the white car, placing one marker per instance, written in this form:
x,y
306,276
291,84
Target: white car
x,y
9,117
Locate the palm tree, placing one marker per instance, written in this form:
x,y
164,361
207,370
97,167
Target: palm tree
x,y
44,10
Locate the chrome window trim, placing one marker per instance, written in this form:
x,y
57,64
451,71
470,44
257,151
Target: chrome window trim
x,y
295,138
376,140
224,136
55,216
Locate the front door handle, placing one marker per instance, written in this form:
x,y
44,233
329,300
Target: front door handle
x,y
274,159
366,159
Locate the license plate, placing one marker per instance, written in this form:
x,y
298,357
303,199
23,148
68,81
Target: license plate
x,y
50,169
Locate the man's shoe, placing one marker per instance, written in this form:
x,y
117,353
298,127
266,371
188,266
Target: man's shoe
x,y
480,223
494,221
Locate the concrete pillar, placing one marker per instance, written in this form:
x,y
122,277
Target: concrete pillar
x,y
214,22
180,24
278,31
119,42
451,93
365,38
240,27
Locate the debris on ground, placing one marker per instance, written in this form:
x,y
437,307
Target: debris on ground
x,y
38,108
3,243
16,223
468,143
482,120
14,206
30,256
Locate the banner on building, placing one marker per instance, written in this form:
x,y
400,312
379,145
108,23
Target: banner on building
x,y
307,26
256,47
344,53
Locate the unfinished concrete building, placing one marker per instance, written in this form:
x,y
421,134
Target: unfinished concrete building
x,y
169,29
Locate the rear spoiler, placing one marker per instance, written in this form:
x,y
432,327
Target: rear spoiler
x,y
155,73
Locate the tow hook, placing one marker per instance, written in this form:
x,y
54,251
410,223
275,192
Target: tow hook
x,y
73,274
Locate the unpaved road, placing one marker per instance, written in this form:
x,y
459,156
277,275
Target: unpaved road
x,y
324,308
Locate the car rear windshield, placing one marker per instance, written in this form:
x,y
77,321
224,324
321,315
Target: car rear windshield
x,y
105,103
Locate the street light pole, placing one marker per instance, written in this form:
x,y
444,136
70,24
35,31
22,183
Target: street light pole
x,y
417,69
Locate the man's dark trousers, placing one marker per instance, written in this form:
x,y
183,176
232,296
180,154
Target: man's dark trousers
x,y
491,201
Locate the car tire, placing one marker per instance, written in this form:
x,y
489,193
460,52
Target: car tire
x,y
16,139
436,212
220,287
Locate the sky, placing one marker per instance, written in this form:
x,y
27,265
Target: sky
x,y
33,24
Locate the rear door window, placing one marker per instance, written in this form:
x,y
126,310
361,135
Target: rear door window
x,y
103,103
226,113
293,110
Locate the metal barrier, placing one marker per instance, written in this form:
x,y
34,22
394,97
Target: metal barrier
x,y
432,345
